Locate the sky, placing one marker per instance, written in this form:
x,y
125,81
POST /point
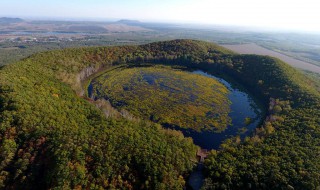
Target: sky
x,y
280,14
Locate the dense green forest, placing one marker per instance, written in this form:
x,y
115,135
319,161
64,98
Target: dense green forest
x,y
53,137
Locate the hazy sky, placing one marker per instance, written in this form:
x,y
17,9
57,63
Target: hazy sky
x,y
290,14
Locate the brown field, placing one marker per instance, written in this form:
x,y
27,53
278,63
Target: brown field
x,y
255,49
9,48
71,27
124,28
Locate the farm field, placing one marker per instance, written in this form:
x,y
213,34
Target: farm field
x,y
255,49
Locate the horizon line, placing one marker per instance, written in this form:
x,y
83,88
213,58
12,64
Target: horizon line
x,y
176,22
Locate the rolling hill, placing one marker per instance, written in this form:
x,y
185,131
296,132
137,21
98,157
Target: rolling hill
x,y
52,136
8,20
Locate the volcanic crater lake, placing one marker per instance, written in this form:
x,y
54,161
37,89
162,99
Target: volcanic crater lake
x,y
243,115
243,107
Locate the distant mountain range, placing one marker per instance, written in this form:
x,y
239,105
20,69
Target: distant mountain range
x,y
129,22
10,20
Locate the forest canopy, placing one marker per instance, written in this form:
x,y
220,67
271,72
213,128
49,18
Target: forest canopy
x,y
52,136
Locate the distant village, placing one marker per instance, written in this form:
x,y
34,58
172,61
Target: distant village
x,y
43,38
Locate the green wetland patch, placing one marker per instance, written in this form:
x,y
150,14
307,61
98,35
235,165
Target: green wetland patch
x,y
204,107
167,96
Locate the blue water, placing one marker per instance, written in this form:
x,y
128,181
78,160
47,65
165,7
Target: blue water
x,y
242,106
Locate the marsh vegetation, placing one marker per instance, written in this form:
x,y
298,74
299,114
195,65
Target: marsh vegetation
x,y
167,96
